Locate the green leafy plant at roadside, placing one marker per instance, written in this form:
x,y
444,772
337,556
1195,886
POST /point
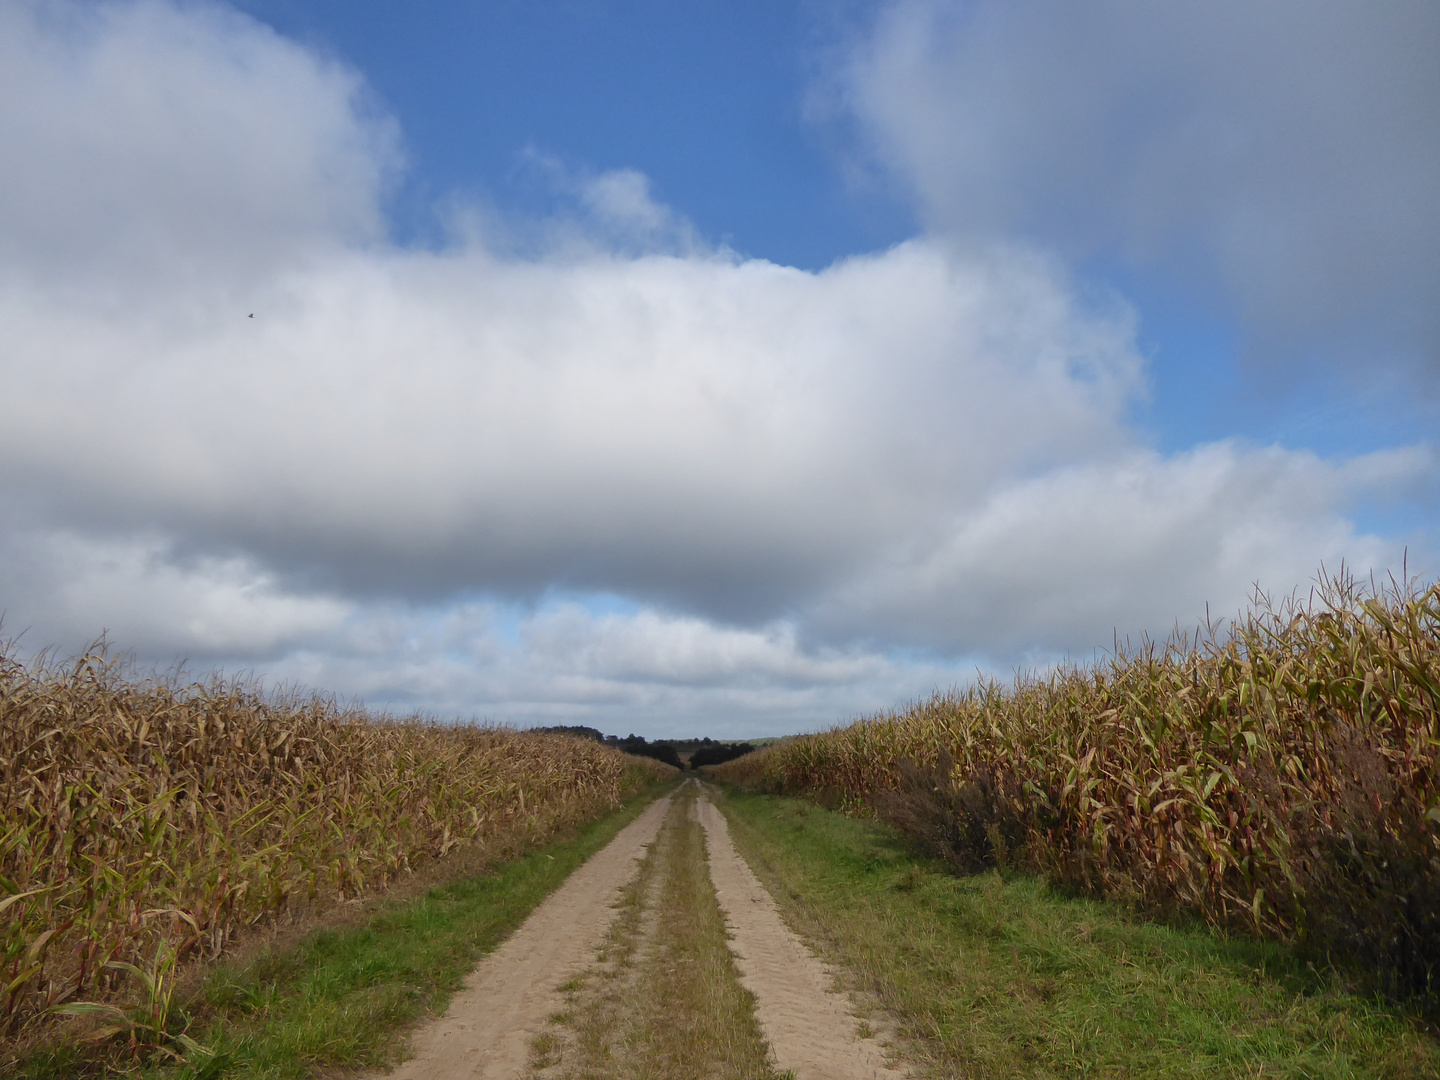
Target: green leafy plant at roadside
x,y
147,1028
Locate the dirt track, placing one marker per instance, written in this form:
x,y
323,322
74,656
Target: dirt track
x,y
492,1024
487,1031
809,1028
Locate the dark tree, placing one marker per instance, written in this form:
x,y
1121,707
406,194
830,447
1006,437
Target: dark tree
x,y
719,753
660,750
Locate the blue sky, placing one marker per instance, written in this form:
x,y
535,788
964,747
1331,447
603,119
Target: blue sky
x,y
716,104
732,368
706,99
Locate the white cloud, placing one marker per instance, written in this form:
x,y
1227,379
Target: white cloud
x,y
652,647
566,662
152,144
1282,152
65,588
373,485
712,432
1137,544
611,213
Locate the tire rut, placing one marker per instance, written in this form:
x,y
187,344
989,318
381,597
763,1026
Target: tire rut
x,y
486,1033
810,1028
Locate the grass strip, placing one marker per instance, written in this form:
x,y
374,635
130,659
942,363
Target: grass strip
x,y
581,1038
991,976
342,999
701,1021
664,1002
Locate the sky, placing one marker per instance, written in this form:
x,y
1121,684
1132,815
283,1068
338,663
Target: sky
x,y
704,368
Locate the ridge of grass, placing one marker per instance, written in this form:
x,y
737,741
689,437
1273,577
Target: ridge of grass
x,y
664,1000
344,998
999,976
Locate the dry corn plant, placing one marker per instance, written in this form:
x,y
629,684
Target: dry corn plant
x,y
142,816
1281,776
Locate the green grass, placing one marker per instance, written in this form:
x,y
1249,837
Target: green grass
x,y
991,976
342,999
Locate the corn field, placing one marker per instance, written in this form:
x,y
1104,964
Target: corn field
x,y
140,815
1282,776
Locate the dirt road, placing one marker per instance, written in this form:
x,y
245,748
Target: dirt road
x,y
487,1031
811,1030
640,967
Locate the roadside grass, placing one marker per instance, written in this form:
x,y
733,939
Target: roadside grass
x,y
999,976
342,999
664,1000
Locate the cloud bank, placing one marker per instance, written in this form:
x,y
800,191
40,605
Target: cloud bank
x,y
1281,154
628,478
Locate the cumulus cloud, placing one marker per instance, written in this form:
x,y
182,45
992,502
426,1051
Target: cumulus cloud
x,y
1283,154
1142,543
381,482
634,670
142,593
686,651
695,430
149,144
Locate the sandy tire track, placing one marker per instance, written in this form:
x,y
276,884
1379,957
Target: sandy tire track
x,y
810,1028
486,1032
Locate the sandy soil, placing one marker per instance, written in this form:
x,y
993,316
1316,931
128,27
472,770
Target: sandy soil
x,y
809,1028
486,1033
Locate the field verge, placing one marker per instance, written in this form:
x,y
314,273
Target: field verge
x,y
341,999
146,823
991,976
1280,778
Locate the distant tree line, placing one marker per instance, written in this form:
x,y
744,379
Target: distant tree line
x,y
704,751
719,753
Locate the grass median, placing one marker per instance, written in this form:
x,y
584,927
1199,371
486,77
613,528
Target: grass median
x,y
343,998
990,976
663,1000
